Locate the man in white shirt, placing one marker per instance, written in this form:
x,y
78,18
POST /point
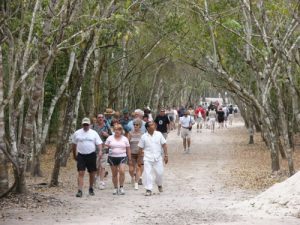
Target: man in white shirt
x,y
85,141
153,144
186,123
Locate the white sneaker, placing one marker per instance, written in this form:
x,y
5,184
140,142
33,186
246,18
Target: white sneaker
x,y
116,191
188,151
136,186
102,185
121,191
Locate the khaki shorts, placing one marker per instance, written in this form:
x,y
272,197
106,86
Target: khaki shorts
x,y
186,133
102,162
137,159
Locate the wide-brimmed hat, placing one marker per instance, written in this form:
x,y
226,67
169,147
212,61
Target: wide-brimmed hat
x,y
109,111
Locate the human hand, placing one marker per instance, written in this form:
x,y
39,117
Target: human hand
x,y
166,159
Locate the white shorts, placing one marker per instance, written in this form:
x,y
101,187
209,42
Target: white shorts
x,y
199,120
212,121
186,133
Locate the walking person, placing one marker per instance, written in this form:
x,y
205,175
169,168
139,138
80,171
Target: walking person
x,y
154,146
104,132
212,119
221,117
186,123
162,123
230,114
85,141
119,153
136,167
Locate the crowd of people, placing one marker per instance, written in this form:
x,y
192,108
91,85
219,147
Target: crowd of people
x,y
138,140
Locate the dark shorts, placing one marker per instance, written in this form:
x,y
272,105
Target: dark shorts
x,y
87,161
116,161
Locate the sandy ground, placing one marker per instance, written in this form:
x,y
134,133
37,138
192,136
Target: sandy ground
x,y
194,193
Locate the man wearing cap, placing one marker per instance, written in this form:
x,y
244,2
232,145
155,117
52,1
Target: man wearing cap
x,y
85,141
186,123
162,123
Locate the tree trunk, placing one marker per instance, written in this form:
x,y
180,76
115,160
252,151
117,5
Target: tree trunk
x,y
70,110
3,163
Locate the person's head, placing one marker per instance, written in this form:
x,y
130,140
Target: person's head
x,y
150,126
114,121
137,123
162,112
100,118
86,123
118,129
125,113
146,118
186,113
117,115
138,113
94,120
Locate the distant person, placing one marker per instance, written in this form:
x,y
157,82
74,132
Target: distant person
x,y
124,120
154,146
212,119
186,123
119,153
221,117
104,132
138,114
85,141
200,116
230,114
162,123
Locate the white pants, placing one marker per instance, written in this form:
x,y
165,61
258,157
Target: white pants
x,y
158,168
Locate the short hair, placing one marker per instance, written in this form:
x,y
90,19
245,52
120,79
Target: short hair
x,y
138,121
147,125
118,127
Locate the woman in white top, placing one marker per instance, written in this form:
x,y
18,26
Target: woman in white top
x,y
119,152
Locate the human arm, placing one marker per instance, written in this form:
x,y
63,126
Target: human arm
x,y
100,150
165,148
74,146
140,154
128,152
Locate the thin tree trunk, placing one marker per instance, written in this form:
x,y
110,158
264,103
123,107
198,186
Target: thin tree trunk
x,y
3,162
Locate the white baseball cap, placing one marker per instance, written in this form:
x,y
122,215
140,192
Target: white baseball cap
x,y
86,120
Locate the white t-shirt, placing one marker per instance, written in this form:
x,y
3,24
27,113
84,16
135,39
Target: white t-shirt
x,y
186,121
152,145
86,141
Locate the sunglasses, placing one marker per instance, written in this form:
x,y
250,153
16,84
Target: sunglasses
x,y
85,124
135,124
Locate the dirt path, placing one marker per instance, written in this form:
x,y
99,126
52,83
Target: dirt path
x,y
194,193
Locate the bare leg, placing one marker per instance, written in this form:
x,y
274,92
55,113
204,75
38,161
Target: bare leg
x,y
114,177
184,143
121,174
189,142
92,179
80,179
